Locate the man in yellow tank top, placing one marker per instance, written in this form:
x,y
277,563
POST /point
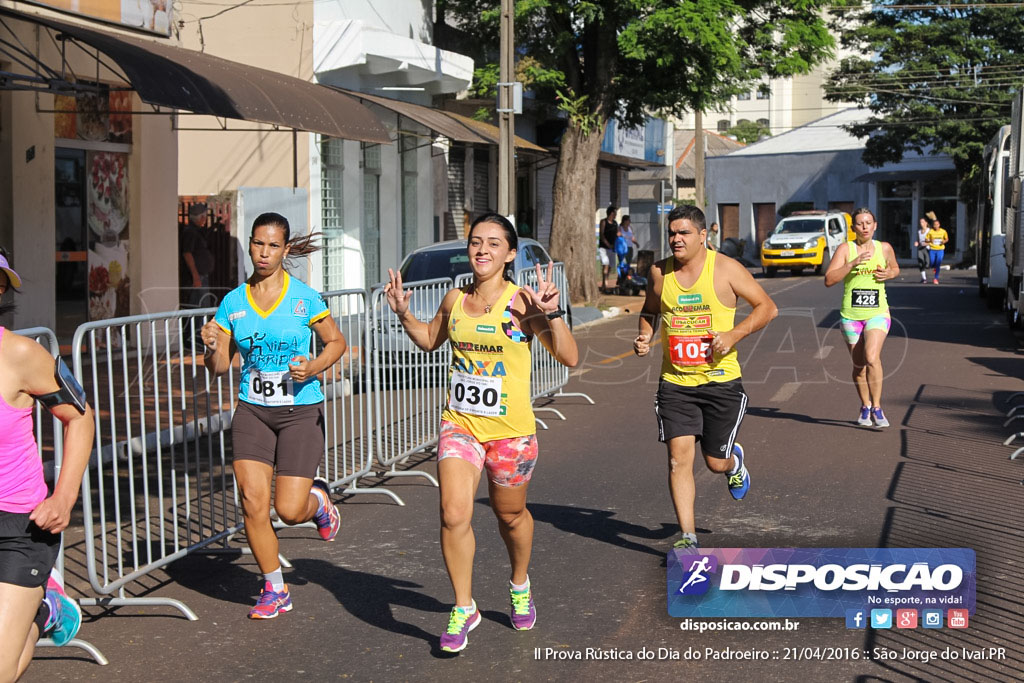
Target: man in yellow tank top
x,y
700,397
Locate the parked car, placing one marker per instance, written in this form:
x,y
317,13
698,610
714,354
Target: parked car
x,y
433,262
449,259
806,239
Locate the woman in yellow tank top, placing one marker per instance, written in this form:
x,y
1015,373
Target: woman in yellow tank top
x,y
863,265
488,422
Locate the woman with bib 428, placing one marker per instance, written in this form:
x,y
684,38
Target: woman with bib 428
x,y
278,425
488,422
863,265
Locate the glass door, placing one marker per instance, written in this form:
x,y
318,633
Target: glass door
x,y
72,247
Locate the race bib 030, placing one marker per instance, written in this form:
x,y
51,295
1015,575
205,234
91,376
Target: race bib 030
x,y
475,394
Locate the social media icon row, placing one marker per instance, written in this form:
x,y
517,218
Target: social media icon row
x,y
905,618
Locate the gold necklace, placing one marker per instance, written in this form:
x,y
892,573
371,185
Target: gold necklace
x,y
487,306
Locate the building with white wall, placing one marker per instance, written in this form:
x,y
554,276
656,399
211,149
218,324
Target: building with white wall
x,y
819,166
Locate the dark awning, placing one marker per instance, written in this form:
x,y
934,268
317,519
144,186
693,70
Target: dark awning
x,y
610,159
453,126
175,77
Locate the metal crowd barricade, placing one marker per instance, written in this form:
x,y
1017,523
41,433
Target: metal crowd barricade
x,y
548,376
408,384
348,395
158,487
50,433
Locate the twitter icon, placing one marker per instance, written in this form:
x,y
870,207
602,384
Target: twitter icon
x,y
881,618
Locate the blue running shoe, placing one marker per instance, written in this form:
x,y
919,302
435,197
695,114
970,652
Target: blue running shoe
x,y
65,614
880,420
865,416
738,481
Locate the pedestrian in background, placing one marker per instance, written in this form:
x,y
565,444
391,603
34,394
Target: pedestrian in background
x,y
196,258
922,247
936,239
608,232
626,232
714,238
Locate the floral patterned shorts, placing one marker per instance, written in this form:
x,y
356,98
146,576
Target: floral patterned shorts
x,y
509,462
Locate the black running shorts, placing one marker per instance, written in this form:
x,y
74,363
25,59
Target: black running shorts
x,y
711,412
27,553
288,438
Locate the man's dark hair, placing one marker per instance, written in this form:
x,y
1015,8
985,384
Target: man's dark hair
x,y
610,210
690,213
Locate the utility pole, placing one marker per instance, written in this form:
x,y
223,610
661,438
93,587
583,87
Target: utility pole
x,y
506,116
667,189
698,160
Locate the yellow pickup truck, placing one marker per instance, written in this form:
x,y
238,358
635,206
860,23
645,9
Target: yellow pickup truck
x,y
806,239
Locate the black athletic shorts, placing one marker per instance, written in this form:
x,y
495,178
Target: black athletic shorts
x,y
27,553
288,438
711,412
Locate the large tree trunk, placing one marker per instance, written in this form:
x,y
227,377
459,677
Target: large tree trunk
x,y
573,240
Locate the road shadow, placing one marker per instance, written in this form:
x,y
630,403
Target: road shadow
x,y
955,488
761,411
370,598
601,525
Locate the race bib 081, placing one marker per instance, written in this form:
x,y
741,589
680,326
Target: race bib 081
x,y
475,394
690,351
271,388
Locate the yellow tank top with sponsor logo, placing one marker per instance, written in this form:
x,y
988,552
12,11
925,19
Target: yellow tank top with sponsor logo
x,y
688,317
489,378
863,296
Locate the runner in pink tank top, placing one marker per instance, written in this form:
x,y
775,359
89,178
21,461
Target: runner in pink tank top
x,y
21,471
30,521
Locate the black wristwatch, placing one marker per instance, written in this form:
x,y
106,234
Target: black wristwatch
x,y
556,314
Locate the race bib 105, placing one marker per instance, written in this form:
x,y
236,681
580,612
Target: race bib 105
x,y
690,351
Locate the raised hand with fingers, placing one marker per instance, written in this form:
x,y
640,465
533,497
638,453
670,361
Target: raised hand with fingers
x,y
398,298
546,296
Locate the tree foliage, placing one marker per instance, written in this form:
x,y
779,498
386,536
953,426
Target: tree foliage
x,y
593,60
748,132
628,57
941,79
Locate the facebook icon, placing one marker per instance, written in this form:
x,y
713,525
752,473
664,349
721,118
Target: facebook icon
x,y
856,618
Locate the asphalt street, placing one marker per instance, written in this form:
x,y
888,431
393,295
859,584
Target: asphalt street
x,y
370,607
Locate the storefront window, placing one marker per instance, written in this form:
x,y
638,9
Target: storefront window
x,y
332,211
895,213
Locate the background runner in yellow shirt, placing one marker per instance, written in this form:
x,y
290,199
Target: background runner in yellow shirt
x,y
936,240
488,422
700,396
863,265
